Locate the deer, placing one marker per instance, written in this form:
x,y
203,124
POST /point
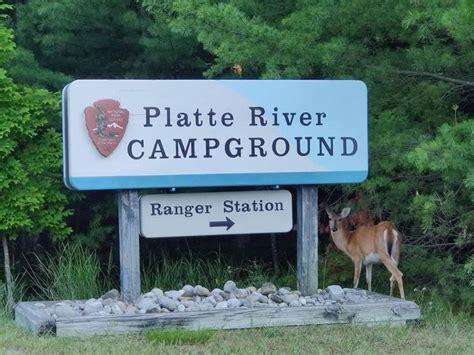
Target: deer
x,y
368,244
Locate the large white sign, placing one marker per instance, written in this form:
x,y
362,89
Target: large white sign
x,y
124,134
215,213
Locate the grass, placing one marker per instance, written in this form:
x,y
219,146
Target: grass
x,y
73,273
76,273
453,334
178,337
211,272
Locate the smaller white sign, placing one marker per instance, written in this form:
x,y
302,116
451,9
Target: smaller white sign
x,y
215,213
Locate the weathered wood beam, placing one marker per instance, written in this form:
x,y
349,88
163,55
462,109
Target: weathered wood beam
x,y
307,239
129,229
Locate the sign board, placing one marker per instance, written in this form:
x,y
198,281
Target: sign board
x,y
132,134
215,213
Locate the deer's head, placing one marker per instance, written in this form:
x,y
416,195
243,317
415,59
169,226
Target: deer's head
x,y
336,219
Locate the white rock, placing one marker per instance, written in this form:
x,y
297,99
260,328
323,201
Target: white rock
x,y
188,290
167,303
181,308
335,291
295,303
230,287
174,295
222,305
201,291
145,303
233,303
117,310
158,292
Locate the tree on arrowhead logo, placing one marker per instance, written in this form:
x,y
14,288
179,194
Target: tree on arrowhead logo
x,y
106,123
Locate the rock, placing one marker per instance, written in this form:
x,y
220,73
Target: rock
x,y
217,291
131,309
96,304
321,300
201,291
275,298
151,295
145,303
117,310
230,287
268,288
112,294
222,305
193,308
174,295
311,302
302,301
188,291
233,303
246,303
241,293
284,290
295,303
65,310
181,308
335,291
290,298
188,303
109,302
167,303
218,297
251,289
158,292
254,297
122,306
87,310
40,305
282,305
212,300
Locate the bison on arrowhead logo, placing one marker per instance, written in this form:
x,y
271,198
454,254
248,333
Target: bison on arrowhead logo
x,y
106,123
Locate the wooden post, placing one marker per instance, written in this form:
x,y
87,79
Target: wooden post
x,y
129,229
307,239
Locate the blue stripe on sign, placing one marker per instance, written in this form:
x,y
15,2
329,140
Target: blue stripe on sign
x,y
169,181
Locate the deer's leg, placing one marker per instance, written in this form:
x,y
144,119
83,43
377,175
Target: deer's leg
x,y
392,285
396,273
357,270
368,276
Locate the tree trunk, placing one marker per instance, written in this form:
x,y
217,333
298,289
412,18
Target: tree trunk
x,y
8,274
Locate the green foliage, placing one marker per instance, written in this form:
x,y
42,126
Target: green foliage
x,y
30,157
99,40
179,337
211,272
19,293
105,39
72,272
25,70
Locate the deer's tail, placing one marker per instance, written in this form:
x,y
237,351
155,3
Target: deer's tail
x,y
393,243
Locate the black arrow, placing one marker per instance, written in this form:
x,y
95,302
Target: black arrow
x,y
227,223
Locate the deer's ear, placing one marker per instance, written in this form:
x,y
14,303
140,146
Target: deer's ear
x,y
326,208
345,212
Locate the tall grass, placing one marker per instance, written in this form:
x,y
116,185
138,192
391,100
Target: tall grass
x,y
72,273
210,272
19,292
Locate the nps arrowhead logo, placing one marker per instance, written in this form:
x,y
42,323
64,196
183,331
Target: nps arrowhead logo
x,y
106,123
